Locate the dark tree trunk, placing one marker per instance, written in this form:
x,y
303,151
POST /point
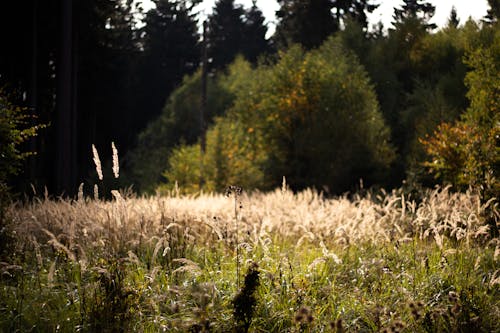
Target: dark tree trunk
x,y
66,113
33,93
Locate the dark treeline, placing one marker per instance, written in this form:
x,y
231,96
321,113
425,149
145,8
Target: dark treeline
x,y
97,71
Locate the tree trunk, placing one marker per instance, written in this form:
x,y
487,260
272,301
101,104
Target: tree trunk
x,y
65,105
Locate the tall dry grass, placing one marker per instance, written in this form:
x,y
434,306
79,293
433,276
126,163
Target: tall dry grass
x,y
305,216
168,262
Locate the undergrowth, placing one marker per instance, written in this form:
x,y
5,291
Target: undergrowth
x,y
368,263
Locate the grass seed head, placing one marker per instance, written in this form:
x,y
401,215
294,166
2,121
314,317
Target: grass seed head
x,y
97,162
116,164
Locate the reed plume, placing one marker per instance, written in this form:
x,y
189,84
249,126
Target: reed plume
x,y
97,162
116,165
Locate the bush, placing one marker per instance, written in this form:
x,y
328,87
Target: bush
x,y
312,117
467,153
179,123
14,130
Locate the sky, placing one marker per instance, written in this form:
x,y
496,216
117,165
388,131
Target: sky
x,y
465,9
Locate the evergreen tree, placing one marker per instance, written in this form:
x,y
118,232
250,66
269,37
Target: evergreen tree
x,y
105,49
171,51
254,42
307,22
225,33
493,12
412,10
310,22
355,10
453,20
29,34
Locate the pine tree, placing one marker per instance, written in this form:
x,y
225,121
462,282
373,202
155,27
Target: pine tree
x,y
493,12
254,42
29,33
453,20
415,10
307,22
171,51
355,10
225,33
310,22
106,50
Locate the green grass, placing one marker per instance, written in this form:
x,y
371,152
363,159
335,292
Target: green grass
x,y
182,277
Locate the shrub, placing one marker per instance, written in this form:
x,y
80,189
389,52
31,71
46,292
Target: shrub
x,y
14,130
312,117
467,153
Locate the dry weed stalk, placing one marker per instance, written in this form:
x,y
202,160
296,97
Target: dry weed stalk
x,y
236,192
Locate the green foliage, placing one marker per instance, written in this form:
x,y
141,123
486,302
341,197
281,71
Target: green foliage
x,y
178,123
312,117
184,169
15,129
418,78
467,153
113,303
484,83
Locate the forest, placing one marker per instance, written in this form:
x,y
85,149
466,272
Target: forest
x,y
163,170
326,101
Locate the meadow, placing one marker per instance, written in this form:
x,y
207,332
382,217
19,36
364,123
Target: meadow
x,y
261,262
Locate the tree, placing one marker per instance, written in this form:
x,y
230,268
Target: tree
x,y
233,30
419,10
177,123
305,22
310,22
394,64
15,129
254,42
27,73
66,116
355,10
312,117
453,20
225,33
467,152
171,51
493,12
105,50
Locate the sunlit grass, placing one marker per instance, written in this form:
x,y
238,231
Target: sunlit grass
x,y
372,263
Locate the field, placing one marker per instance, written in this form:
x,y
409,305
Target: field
x,y
259,262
